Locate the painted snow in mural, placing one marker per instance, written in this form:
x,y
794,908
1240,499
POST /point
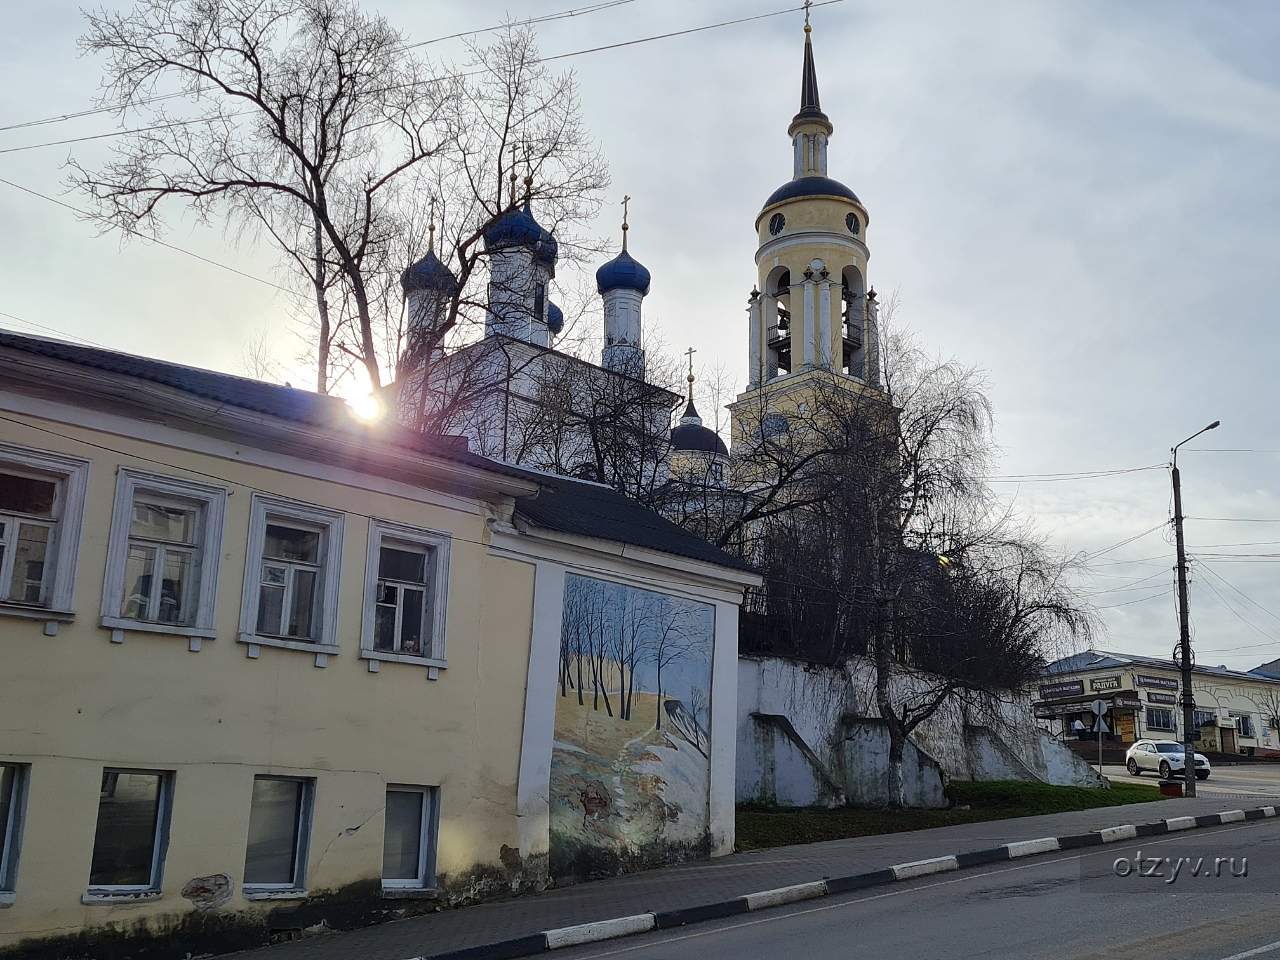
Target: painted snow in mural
x,y
631,768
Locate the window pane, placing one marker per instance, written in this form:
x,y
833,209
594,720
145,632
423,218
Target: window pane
x,y
8,801
302,604
28,563
384,628
411,623
124,843
402,840
290,543
138,570
402,563
175,587
270,609
27,495
163,521
272,855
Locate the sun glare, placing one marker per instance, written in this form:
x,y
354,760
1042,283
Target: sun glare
x,y
367,408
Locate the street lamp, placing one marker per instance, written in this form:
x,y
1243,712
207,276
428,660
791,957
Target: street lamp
x,y
1184,627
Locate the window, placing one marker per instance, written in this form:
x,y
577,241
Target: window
x,y
409,838
291,578
12,796
1159,718
41,504
1244,723
407,579
279,825
128,845
162,569
1204,718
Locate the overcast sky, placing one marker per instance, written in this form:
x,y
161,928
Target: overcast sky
x,y
1079,197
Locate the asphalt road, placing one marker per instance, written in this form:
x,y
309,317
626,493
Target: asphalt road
x,y
1245,780
1064,906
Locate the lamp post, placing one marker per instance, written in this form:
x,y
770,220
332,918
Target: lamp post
x,y
1184,627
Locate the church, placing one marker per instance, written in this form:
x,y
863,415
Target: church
x,y
811,317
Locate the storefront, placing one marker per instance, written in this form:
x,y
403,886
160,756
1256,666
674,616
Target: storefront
x,y
1068,705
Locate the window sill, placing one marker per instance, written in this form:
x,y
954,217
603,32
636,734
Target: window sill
x,y
321,651
410,893
26,612
376,657
109,897
119,626
292,893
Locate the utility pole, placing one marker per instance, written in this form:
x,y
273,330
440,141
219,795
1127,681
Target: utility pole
x,y
1184,630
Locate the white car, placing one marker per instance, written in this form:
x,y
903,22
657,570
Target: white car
x,y
1166,756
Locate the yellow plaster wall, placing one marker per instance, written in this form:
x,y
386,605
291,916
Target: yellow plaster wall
x,y
74,703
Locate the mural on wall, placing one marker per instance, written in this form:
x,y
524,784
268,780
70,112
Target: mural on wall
x,y
631,765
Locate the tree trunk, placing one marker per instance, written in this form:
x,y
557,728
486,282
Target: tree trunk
x,y
322,311
658,723
897,790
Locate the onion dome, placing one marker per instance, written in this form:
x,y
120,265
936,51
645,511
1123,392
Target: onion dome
x,y
623,272
429,274
515,228
555,318
547,249
690,436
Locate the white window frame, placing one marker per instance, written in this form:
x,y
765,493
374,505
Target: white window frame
x,y
428,836
11,832
1172,721
263,511
297,885
117,892
435,659
72,477
1246,717
208,550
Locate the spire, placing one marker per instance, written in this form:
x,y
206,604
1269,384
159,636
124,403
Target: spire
x,y
810,107
431,228
625,201
690,412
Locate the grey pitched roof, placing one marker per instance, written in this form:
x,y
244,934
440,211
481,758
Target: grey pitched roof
x,y
593,510
1103,660
1270,670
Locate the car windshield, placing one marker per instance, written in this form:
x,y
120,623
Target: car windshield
x,y
1169,748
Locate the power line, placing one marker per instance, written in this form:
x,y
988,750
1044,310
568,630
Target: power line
x,y
1239,616
49,329
1249,599
1236,519
1155,596
550,59
1081,475
1226,450
144,236
1126,542
122,105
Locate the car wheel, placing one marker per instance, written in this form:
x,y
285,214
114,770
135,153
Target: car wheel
x,y
1134,769
1164,770
1201,776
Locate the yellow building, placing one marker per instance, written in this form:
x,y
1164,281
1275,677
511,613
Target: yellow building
x,y
265,666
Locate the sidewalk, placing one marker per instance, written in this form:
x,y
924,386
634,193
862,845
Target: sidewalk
x,y
703,882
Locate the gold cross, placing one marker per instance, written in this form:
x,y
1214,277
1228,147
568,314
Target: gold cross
x,y
689,353
514,147
625,201
431,229
807,5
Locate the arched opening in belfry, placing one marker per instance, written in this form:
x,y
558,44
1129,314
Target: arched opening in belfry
x,y
778,326
853,313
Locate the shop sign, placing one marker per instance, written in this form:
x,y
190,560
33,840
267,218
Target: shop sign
x,y
1162,683
1104,683
1153,697
1063,688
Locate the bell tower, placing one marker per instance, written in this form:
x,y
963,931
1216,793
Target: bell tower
x,y
811,308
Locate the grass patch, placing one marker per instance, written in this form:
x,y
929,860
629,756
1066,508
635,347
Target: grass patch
x,y
760,826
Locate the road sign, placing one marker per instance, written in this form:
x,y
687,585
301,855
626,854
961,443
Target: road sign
x,y
1100,707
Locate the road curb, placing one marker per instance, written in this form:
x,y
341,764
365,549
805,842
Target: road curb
x,y
612,929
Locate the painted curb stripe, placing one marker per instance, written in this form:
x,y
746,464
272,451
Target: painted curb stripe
x,y
599,930
976,858
860,881
781,895
711,911
1029,848
923,868
641,923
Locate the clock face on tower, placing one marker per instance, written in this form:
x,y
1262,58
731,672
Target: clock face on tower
x,y
776,223
851,221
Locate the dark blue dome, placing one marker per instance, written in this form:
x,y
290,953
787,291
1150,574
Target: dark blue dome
x,y
623,272
547,249
693,438
429,274
811,187
555,318
515,228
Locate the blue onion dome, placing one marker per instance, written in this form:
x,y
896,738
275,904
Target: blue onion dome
x,y
623,272
690,436
515,228
555,318
431,275
811,187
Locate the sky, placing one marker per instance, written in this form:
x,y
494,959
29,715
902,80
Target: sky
x,y
1079,198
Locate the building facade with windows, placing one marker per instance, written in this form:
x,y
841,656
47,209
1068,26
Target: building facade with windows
x,y
1235,711
265,665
